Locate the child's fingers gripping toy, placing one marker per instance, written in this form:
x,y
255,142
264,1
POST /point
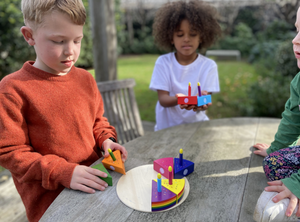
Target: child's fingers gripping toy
x,y
113,162
194,100
108,179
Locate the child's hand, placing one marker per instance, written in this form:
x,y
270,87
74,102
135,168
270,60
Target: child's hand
x,y
185,106
262,149
204,107
284,192
108,144
194,107
86,178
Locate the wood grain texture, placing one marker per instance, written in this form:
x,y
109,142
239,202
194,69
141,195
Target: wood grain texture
x,y
121,108
11,205
224,186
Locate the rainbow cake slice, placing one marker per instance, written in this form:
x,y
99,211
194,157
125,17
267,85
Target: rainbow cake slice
x,y
177,187
184,170
161,166
162,200
167,201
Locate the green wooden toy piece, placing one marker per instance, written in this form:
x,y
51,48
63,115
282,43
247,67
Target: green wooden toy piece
x,y
108,179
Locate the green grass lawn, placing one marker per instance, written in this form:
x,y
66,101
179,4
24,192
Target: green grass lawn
x,y
235,76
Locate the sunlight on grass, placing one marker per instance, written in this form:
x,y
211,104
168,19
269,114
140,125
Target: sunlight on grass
x,y
140,68
234,76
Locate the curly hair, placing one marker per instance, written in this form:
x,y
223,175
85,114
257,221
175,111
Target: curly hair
x,y
201,16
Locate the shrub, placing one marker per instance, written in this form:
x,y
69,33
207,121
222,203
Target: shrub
x,y
242,39
277,30
263,50
269,40
268,96
286,63
14,50
85,59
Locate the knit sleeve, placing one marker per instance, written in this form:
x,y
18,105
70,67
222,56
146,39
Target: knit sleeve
x,y
289,128
20,158
102,128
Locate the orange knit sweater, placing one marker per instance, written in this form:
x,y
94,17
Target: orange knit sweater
x,y
48,125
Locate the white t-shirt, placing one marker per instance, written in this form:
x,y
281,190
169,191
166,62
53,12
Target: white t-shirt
x,y
169,75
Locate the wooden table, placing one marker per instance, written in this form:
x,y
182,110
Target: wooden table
x,y
225,185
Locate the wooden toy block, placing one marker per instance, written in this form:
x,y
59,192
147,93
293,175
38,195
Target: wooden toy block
x,y
162,200
187,100
184,170
203,100
161,166
116,165
108,179
177,187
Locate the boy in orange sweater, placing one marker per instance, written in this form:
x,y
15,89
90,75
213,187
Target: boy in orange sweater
x,y
51,113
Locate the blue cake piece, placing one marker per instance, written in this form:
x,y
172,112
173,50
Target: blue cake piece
x,y
184,170
203,100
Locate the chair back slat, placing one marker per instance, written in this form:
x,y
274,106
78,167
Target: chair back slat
x,y
121,108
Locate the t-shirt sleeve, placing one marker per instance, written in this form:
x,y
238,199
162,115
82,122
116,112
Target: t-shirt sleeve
x,y
160,78
212,81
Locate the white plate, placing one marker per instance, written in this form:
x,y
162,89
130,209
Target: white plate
x,y
134,189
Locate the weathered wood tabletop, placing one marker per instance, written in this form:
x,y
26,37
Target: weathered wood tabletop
x,y
225,185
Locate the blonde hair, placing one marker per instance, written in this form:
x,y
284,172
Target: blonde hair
x,y
33,10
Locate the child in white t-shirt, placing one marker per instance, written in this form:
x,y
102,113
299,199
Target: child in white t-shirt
x,y
185,27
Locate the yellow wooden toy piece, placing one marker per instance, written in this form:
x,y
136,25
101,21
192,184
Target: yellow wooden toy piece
x,y
177,187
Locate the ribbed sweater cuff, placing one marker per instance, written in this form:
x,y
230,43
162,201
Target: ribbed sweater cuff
x,y
66,174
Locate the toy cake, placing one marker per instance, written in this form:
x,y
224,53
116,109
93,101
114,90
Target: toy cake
x,y
181,167
166,195
199,100
161,166
183,170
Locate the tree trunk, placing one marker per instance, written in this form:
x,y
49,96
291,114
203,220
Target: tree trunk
x,y
104,39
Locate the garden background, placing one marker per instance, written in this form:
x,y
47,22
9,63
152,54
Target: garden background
x,y
262,31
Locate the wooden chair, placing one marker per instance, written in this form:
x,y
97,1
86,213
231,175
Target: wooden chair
x,y
121,108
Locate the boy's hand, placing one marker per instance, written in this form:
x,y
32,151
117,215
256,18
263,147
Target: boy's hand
x,y
86,178
108,144
284,192
262,149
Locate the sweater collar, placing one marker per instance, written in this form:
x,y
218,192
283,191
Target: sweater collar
x,y
29,68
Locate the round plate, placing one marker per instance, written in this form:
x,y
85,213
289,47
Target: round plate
x,y
134,189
